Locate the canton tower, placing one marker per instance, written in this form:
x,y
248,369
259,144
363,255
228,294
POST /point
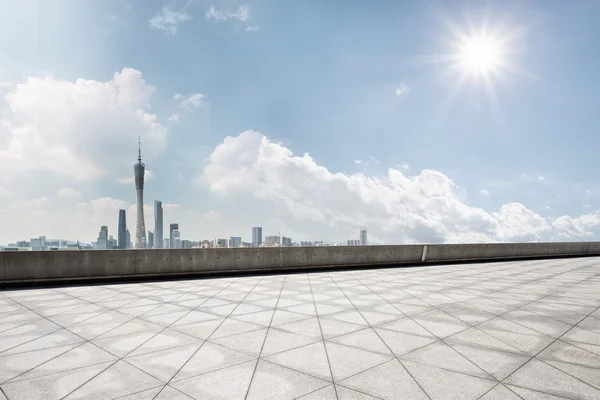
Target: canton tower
x,y
138,171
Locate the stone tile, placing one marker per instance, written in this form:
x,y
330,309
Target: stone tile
x,y
500,392
387,381
56,338
307,327
499,364
278,341
170,393
365,339
201,330
343,393
250,343
569,353
232,327
440,324
208,358
327,393
282,317
272,381
164,364
80,356
311,359
541,377
347,361
52,386
123,345
402,343
119,379
524,339
441,384
195,316
166,339
331,328
527,394
15,364
441,355
583,335
539,323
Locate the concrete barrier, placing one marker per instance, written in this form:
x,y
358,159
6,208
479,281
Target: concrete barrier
x,y
55,266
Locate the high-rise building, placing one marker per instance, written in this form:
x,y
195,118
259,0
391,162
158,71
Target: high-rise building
x,y
172,228
272,240
235,241
363,236
353,242
128,244
158,224
150,239
176,241
256,236
286,241
112,243
140,229
122,232
102,242
221,243
166,243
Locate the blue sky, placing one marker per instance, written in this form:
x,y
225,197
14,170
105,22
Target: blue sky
x,y
320,78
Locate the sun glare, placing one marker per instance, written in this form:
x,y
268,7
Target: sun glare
x,y
479,55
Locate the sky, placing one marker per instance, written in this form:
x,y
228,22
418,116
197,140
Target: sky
x,y
426,122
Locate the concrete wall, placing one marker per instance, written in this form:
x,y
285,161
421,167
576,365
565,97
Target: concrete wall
x,y
46,266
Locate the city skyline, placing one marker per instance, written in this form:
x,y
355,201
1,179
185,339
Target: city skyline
x,y
438,122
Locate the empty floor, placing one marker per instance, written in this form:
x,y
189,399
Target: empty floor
x,y
516,330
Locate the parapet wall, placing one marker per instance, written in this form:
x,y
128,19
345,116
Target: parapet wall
x,y
56,266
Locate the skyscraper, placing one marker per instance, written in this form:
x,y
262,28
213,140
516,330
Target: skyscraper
x,y
128,243
150,239
172,228
140,230
121,234
102,242
158,224
363,236
256,236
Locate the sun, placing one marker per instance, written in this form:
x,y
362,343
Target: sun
x,y
479,55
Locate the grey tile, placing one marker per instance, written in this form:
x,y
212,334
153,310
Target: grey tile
x,y
208,358
224,384
440,323
327,393
164,364
272,381
498,364
169,393
53,386
440,384
250,343
524,339
441,355
55,338
80,356
402,343
15,364
310,359
123,345
539,376
278,341
346,361
583,335
307,327
166,339
143,395
387,381
365,339
118,380
527,394
343,393
569,353
231,327
201,330
500,392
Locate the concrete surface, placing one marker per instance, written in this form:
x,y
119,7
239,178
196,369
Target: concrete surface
x,y
512,330
47,266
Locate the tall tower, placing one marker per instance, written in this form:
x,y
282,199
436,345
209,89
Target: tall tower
x,y
363,236
121,235
140,230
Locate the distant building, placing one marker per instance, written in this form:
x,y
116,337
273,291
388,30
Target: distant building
x,y
158,224
272,240
256,236
166,243
150,239
286,241
140,229
112,243
122,231
186,244
43,242
172,227
102,241
129,244
235,241
176,241
305,243
363,236
353,242
221,243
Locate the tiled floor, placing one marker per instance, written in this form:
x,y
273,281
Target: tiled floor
x,y
522,330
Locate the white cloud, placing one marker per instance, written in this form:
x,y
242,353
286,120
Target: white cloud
x,y
484,192
242,13
403,90
585,205
68,193
173,118
69,128
167,19
427,207
148,174
576,227
195,100
251,28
